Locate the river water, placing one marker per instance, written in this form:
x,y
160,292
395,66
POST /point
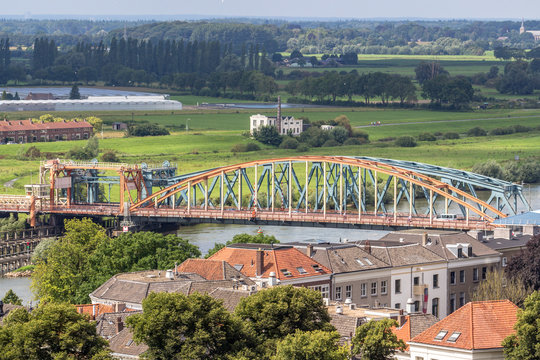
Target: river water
x,y
206,235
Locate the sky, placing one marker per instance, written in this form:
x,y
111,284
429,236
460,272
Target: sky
x,y
413,9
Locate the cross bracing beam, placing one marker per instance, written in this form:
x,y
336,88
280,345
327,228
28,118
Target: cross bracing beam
x,y
338,182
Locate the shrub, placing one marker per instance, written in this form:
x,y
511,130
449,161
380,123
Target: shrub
x,y
245,147
450,135
359,134
331,143
353,141
476,131
302,148
426,137
501,131
340,134
109,156
147,130
289,143
267,135
521,128
252,147
405,141
489,168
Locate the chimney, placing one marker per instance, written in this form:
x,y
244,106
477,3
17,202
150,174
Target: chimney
x,y
502,233
259,261
424,239
367,247
119,307
309,250
119,324
410,306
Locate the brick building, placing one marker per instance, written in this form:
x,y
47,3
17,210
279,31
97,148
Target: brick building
x,y
25,131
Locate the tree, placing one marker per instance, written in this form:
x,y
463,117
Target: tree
x,y
527,264
12,298
52,331
272,314
313,345
267,135
176,326
524,344
96,123
428,71
74,94
244,239
498,286
375,340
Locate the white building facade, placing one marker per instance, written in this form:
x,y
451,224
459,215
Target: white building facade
x,y
287,125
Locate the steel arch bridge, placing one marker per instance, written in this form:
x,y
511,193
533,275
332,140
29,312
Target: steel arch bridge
x,y
304,190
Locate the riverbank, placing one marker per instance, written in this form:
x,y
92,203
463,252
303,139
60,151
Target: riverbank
x,y
18,274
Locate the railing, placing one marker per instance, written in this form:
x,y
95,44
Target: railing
x,y
90,165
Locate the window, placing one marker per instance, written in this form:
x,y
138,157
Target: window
x,y
301,270
484,273
435,307
384,290
360,262
453,338
363,291
503,262
397,286
398,306
418,358
416,306
441,335
373,288
461,276
317,268
338,292
475,274
416,280
435,281
452,278
459,252
286,272
452,303
348,291
461,299
323,289
368,261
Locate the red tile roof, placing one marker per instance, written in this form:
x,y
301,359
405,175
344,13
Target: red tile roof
x,y
404,332
482,324
288,259
20,125
207,268
94,310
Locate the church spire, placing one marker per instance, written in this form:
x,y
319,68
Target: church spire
x,y
522,28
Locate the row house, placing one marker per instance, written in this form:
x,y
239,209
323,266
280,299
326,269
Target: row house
x,y
26,131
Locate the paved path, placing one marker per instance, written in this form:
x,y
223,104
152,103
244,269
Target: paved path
x,y
449,121
10,182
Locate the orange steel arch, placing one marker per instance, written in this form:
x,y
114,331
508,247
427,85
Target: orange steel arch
x,y
427,182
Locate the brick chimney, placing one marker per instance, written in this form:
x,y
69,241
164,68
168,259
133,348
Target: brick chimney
x,y
119,325
119,307
309,250
367,247
424,239
259,262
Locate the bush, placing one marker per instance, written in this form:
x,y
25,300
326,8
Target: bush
x,y
245,147
359,134
331,143
302,148
489,168
267,135
87,152
147,130
340,134
501,131
109,156
450,135
353,141
405,141
521,128
289,143
476,131
426,137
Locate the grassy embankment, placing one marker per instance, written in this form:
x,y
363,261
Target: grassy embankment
x,y
213,134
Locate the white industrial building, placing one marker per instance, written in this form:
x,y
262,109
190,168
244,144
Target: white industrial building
x,y
94,103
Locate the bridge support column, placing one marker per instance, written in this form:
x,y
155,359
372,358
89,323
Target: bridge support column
x,y
239,189
306,189
189,197
256,190
395,198
430,207
341,188
290,189
221,193
376,194
324,190
206,194
359,194
273,185
411,198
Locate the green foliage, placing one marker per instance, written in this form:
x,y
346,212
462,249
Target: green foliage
x,y
339,134
331,143
426,137
476,131
74,94
428,71
11,224
175,326
12,298
524,344
302,148
71,267
52,331
268,135
375,340
450,136
489,168
244,238
352,141
500,286
405,141
147,130
245,147
289,143
313,345
87,152
109,156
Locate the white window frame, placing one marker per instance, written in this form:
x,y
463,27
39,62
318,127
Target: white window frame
x,y
384,287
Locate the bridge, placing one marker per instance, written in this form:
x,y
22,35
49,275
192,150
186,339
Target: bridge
x,y
340,191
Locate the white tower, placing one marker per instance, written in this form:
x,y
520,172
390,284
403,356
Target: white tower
x,y
522,28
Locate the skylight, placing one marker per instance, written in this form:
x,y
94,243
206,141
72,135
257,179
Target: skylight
x,y
301,270
441,335
286,272
453,338
368,261
238,266
360,262
317,268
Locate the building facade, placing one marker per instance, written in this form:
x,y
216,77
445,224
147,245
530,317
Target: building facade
x,y
287,125
26,131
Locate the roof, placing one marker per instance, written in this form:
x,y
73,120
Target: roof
x,y
480,325
231,298
285,261
528,218
345,326
106,323
212,270
94,310
123,343
21,125
501,243
413,325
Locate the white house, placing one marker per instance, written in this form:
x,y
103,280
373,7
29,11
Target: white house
x,y
286,124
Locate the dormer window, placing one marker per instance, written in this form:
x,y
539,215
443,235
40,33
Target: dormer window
x,y
301,270
459,252
286,272
317,268
453,338
441,335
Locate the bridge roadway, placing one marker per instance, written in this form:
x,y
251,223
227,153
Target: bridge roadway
x,y
366,220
